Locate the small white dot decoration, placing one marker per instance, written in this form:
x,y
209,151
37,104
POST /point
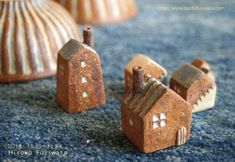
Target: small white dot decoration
x,y
178,90
83,64
131,122
84,94
84,79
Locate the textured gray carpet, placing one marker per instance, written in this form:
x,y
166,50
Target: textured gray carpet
x,y
31,122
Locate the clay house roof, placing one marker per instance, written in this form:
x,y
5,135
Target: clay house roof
x,y
141,103
73,47
204,66
201,64
148,64
187,74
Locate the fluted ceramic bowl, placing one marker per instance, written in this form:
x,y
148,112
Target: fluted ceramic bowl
x,y
31,33
100,11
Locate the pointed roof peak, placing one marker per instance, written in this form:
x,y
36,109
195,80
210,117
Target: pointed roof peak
x,y
73,47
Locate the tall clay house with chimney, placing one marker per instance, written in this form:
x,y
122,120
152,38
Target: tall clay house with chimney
x,y
79,76
153,116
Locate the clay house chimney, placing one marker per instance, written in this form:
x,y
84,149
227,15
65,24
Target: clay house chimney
x,y
88,37
138,79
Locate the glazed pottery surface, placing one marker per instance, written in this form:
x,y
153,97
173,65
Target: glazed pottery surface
x,y
31,33
100,11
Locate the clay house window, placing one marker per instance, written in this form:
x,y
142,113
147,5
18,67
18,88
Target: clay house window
x,y
83,64
155,121
163,116
61,67
131,122
84,94
84,80
177,89
159,120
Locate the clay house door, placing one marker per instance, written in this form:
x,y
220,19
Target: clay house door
x,y
181,136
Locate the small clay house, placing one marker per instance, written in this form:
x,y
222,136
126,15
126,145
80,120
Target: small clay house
x,y
153,116
150,67
204,66
194,86
79,77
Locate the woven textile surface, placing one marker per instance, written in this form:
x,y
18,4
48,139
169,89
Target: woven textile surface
x,y
172,33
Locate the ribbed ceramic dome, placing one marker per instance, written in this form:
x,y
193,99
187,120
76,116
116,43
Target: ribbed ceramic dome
x,y
31,33
100,11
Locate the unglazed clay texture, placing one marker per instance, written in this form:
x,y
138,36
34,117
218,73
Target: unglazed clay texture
x,y
100,11
79,78
149,66
31,33
206,101
204,66
194,86
156,117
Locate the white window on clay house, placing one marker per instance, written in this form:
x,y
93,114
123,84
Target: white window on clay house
x,y
155,121
177,89
83,64
159,120
131,122
84,94
84,80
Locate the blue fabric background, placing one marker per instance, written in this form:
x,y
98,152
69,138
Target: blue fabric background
x,y
30,117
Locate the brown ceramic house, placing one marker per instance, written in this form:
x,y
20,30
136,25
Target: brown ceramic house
x,y
194,86
153,116
150,67
79,78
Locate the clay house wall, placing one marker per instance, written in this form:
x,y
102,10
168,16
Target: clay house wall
x,y
62,82
199,88
163,121
178,88
133,128
86,81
